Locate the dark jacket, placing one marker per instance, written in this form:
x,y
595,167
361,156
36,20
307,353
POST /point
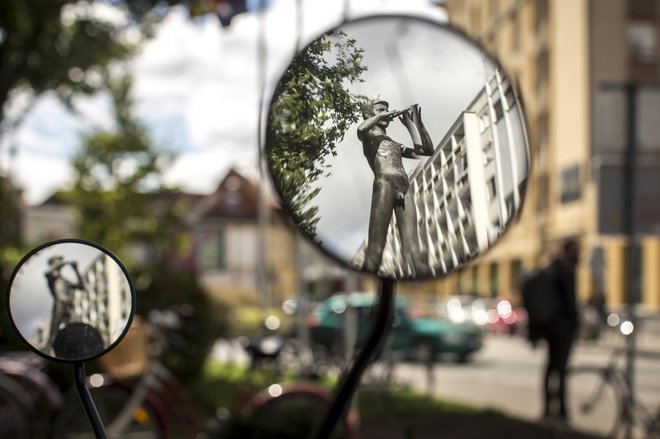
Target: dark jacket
x,y
564,273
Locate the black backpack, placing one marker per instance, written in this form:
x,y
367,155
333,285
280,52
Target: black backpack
x,y
540,300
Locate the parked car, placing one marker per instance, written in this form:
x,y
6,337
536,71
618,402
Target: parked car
x,y
420,336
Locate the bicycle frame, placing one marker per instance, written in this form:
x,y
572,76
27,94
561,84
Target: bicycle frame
x,y
163,391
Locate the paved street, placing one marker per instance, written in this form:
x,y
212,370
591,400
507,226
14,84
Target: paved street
x,y
505,375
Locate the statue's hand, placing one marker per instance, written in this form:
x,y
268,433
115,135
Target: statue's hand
x,y
391,115
406,117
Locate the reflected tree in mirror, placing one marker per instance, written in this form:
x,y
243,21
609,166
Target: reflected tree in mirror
x,y
70,300
310,113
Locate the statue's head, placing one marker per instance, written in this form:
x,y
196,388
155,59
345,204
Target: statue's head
x,y
368,107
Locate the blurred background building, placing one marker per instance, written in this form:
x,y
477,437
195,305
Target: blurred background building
x,y
588,70
225,252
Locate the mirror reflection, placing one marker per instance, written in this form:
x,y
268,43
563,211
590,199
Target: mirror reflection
x,y
398,146
70,300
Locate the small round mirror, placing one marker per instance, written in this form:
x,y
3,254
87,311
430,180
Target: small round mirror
x,y
398,146
70,300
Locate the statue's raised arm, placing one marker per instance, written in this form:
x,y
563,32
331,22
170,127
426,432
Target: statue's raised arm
x,y
412,120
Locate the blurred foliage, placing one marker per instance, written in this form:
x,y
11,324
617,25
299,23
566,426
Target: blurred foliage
x,y
123,204
204,320
65,46
118,182
311,111
10,220
9,257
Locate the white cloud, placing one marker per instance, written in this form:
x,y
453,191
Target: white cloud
x,y
40,175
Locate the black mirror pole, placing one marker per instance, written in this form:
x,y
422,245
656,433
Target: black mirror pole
x,y
350,380
88,402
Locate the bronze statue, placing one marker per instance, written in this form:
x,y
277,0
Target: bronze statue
x,y
62,290
390,188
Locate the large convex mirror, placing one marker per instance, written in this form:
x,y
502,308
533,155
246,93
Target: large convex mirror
x,y
398,146
70,300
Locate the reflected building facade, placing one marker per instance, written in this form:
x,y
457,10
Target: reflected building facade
x,y
466,193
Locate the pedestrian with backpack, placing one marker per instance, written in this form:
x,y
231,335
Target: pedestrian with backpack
x,y
549,296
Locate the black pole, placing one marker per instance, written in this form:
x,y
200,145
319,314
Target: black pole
x,y
350,380
629,230
87,401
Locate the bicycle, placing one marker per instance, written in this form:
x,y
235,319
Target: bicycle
x,y
156,404
27,396
598,399
153,405
14,421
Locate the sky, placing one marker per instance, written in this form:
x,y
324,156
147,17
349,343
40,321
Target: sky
x,y
196,88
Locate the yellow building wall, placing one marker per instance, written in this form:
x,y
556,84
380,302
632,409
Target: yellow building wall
x,y
651,271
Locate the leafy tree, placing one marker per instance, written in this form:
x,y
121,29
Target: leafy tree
x,y
122,201
311,111
117,173
64,46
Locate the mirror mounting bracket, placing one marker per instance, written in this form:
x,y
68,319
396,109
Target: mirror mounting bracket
x,y
350,379
80,378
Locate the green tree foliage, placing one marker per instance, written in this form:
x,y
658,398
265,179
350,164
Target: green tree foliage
x,y
311,111
65,45
123,204
117,176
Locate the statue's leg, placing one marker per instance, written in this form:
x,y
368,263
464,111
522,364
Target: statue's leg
x,y
406,220
382,204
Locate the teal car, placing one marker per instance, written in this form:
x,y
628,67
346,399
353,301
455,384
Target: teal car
x,y
419,337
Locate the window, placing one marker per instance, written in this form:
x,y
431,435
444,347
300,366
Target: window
x,y
211,250
542,193
460,166
499,111
515,33
494,279
484,121
643,42
571,187
516,275
510,97
488,152
492,189
543,128
541,13
542,70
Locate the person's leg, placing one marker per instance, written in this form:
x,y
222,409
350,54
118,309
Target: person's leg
x,y
551,377
382,204
547,393
563,354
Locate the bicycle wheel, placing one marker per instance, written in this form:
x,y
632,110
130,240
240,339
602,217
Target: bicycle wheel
x,y
292,413
14,421
592,401
72,422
